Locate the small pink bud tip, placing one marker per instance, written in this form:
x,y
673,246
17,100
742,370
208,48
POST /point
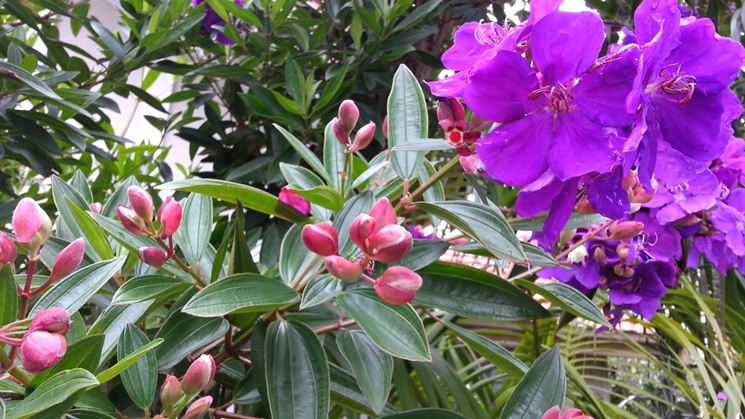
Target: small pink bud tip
x,y
321,239
364,137
141,202
398,285
8,251
68,260
363,226
472,164
42,350
153,256
294,200
390,244
169,216
198,409
383,213
341,134
131,221
348,115
95,207
31,224
342,268
199,375
385,126
52,320
171,391
555,413
626,230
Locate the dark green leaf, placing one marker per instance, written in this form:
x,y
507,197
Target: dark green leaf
x,y
568,298
372,367
319,290
148,287
542,387
140,379
8,295
54,391
296,263
182,334
241,293
407,121
493,352
193,236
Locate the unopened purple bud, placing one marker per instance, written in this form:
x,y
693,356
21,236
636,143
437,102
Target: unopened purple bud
x,y
169,216
348,115
8,251
342,268
68,260
199,375
341,134
171,391
398,285
198,409
153,256
131,221
321,239
42,350
52,320
364,137
141,202
390,244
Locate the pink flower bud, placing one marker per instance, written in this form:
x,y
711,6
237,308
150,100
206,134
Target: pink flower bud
x,y
199,375
364,137
472,164
153,256
294,200
68,260
383,213
131,221
341,134
169,216
31,224
171,391
342,268
141,202
385,127
555,413
52,320
95,207
444,112
398,285
42,350
390,244
348,115
321,239
7,250
198,409
362,227
626,230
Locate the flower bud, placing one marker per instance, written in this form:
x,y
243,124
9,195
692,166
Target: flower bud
x,y
321,239
95,207
68,260
524,235
170,392
385,127
198,409
199,375
153,256
688,221
169,216
131,221
8,251
42,350
31,225
348,115
364,137
584,206
141,202
52,320
294,200
577,255
600,256
342,268
342,136
444,112
383,213
398,285
622,250
362,227
555,413
390,244
626,230
472,164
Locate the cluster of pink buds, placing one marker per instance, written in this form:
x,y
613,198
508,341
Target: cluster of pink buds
x,y
138,219
294,200
381,239
461,134
43,343
175,394
343,127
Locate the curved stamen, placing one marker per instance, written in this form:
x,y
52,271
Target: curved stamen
x,y
675,84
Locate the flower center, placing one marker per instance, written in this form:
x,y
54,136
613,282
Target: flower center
x,y
489,34
559,97
672,83
679,190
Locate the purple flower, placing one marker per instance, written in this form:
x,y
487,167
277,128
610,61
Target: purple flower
x,y
730,166
644,287
675,201
565,110
729,218
213,23
548,192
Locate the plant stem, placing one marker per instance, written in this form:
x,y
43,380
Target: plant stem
x,y
344,174
336,326
427,183
26,289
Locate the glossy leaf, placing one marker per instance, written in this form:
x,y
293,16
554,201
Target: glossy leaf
x,y
542,387
407,121
354,207
424,253
54,391
490,350
322,195
148,287
240,293
372,367
182,334
140,379
114,321
193,236
304,153
568,298
129,360
8,295
319,290
333,155
296,262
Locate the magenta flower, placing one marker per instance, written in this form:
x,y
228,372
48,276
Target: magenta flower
x,y
294,200
675,201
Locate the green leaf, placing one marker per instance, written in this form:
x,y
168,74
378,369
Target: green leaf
x,y
30,80
424,253
112,323
323,195
85,354
354,207
241,260
249,197
542,387
304,153
119,197
482,223
419,14
148,287
8,295
471,292
490,350
319,290
333,155
193,236
297,372
396,329
182,334
124,363
130,241
425,414
54,391
575,221
425,144
94,237
568,298
372,367
76,289
407,121
66,198
140,380
241,293
538,257
296,262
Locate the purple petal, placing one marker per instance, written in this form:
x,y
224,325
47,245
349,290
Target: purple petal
x,y
466,49
589,146
565,44
561,210
537,196
450,86
651,15
607,196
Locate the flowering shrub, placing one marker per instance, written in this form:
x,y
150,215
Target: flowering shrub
x,y
603,176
